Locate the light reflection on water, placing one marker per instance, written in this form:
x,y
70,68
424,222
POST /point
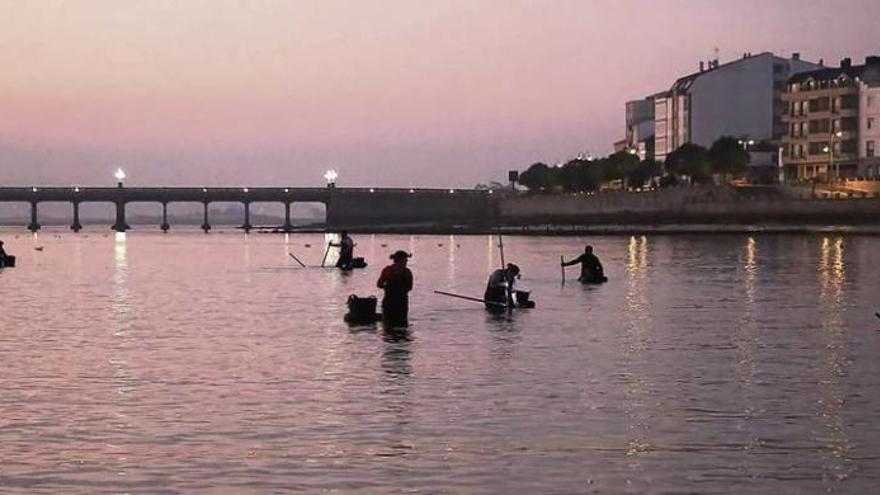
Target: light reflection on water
x,y
191,363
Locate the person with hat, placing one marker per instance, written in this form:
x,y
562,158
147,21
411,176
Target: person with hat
x,y
499,289
397,281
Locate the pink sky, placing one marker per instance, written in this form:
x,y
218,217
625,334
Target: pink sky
x,y
446,93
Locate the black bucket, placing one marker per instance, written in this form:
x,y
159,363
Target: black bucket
x,y
361,310
9,262
358,263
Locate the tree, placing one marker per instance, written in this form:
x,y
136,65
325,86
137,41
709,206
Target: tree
x,y
537,177
728,157
644,171
618,166
691,160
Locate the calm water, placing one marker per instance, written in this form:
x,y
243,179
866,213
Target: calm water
x,y
149,363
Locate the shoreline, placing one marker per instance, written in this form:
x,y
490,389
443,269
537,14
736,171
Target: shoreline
x,y
556,230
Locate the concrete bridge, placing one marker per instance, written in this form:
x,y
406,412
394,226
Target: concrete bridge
x,y
354,207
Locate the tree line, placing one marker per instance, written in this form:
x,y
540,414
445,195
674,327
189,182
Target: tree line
x,y
725,157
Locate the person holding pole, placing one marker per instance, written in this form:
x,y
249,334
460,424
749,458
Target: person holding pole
x,y
591,268
346,251
499,288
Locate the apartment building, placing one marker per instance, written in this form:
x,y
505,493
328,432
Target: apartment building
x,y
741,98
640,127
832,122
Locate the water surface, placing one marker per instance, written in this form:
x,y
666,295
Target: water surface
x,y
150,363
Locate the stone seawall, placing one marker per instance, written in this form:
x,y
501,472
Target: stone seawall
x,y
434,208
696,205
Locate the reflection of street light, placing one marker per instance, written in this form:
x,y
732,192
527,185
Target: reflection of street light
x,y
330,176
120,176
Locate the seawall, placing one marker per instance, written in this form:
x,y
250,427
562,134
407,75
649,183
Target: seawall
x,y
687,205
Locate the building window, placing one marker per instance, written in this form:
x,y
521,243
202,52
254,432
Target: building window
x,y
869,149
870,123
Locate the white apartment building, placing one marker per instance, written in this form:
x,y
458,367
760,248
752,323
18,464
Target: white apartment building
x,y
869,127
741,98
640,127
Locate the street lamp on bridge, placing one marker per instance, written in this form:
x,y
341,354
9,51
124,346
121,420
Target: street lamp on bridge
x,y
120,176
330,176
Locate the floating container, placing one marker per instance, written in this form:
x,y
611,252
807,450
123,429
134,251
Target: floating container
x,y
362,310
522,299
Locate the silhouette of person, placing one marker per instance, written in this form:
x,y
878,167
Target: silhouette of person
x,y
397,281
3,255
591,267
499,289
346,251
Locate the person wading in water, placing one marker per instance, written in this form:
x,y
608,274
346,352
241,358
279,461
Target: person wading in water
x,y
3,255
499,289
346,251
591,267
396,280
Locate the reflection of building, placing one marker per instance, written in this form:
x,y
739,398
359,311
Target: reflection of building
x,y
640,127
741,98
833,121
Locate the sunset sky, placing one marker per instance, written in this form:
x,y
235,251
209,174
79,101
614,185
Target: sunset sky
x,y
389,93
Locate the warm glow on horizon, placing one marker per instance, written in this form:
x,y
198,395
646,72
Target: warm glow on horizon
x,y
460,91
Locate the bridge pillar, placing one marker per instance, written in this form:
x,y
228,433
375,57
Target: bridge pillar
x,y
247,217
34,225
287,225
120,225
76,226
165,225
205,225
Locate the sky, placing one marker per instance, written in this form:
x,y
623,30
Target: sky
x,y
387,92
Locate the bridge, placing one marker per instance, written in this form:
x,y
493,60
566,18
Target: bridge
x,y
346,207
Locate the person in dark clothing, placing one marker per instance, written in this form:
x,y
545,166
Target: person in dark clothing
x,y
3,255
591,267
499,289
346,251
397,281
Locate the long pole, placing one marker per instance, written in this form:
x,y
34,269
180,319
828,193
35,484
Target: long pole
x,y
469,298
562,266
297,260
323,260
501,248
